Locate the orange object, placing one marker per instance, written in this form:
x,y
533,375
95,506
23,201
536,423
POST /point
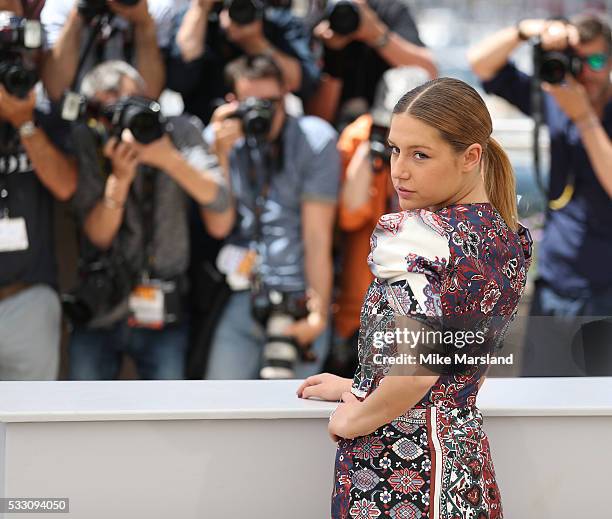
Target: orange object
x,y
357,226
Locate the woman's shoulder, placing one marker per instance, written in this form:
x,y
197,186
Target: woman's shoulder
x,y
409,241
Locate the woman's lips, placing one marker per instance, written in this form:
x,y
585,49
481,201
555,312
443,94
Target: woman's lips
x,y
404,193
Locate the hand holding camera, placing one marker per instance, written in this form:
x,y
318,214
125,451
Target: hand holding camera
x,y
16,110
124,159
554,34
227,130
135,11
242,22
349,20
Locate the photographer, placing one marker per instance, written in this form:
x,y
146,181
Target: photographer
x,y
369,38
210,36
574,275
134,213
285,175
134,32
34,169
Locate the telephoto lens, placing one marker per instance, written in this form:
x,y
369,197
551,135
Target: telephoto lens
x,y
280,352
343,16
244,12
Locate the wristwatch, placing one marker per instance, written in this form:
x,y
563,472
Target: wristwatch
x,y
27,129
383,40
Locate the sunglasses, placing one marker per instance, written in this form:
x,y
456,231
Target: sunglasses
x,y
596,62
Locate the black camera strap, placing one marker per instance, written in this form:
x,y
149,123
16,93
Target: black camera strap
x,y
146,204
264,159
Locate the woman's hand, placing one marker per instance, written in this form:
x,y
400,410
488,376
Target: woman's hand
x,y
343,421
324,386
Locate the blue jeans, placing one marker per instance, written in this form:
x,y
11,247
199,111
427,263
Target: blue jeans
x,y
568,336
238,344
96,354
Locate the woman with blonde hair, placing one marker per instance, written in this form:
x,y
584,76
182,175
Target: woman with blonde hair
x,y
454,260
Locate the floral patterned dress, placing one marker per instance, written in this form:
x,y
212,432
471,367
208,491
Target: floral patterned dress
x,y
461,262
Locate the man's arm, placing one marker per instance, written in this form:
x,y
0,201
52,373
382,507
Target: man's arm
x,y
489,56
149,61
54,169
63,56
102,223
572,98
599,149
317,234
191,36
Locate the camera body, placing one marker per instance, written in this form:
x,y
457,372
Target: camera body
x,y
18,37
343,16
275,311
89,9
256,116
103,284
552,66
140,115
380,154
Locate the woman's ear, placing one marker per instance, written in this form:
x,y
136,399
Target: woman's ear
x,y
472,157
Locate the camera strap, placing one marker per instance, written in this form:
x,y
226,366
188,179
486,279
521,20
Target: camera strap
x,y
264,159
146,204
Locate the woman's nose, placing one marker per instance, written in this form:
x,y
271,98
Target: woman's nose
x,y
399,169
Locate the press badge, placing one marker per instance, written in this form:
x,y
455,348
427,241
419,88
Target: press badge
x,y
237,263
13,235
147,306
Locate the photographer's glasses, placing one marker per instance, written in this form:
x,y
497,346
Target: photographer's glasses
x,y
596,62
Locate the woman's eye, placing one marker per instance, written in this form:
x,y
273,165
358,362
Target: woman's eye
x,y
394,150
420,156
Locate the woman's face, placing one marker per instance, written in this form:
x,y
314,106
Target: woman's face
x,y
426,172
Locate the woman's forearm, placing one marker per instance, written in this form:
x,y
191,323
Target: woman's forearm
x,y
392,398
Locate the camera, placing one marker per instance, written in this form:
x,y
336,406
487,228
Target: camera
x,y
552,66
140,115
343,16
18,36
104,282
380,154
275,311
89,9
256,115
244,12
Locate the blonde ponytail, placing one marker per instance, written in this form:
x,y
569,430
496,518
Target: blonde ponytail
x,y
500,183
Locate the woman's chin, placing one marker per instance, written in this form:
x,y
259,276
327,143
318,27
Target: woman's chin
x,y
409,205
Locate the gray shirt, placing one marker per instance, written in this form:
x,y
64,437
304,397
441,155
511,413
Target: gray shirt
x,y
170,230
310,171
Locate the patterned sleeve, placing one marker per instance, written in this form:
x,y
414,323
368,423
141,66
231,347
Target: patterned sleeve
x,y
410,251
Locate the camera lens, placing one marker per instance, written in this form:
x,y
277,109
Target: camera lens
x,y
17,79
144,121
553,67
244,12
344,17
